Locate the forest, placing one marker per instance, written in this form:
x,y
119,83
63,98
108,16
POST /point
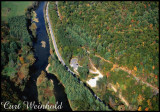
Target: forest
x,y
16,54
80,97
122,39
117,39
45,90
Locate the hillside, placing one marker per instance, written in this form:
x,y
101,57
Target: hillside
x,y
121,39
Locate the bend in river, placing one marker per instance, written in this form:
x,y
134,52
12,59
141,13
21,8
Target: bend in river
x,y
41,55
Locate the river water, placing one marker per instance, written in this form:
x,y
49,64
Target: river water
x,y
41,54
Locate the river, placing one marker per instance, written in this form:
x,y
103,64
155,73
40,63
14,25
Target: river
x,y
41,54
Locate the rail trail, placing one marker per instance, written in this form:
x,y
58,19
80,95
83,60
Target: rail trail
x,y
60,58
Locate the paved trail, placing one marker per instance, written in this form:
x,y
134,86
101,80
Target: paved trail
x,y
52,37
59,56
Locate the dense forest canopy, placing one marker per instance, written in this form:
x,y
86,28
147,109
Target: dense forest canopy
x,y
122,40
124,30
16,51
117,39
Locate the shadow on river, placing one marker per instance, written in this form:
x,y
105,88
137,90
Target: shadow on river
x,y
41,54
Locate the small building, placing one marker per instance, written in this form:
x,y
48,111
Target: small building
x,y
74,63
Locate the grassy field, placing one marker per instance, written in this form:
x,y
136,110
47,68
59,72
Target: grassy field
x,y
13,8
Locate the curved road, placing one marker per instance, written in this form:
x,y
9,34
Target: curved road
x,y
60,58
54,41
53,38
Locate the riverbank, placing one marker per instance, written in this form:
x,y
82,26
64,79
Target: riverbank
x,y
132,89
50,43
51,47
51,53
17,53
73,96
